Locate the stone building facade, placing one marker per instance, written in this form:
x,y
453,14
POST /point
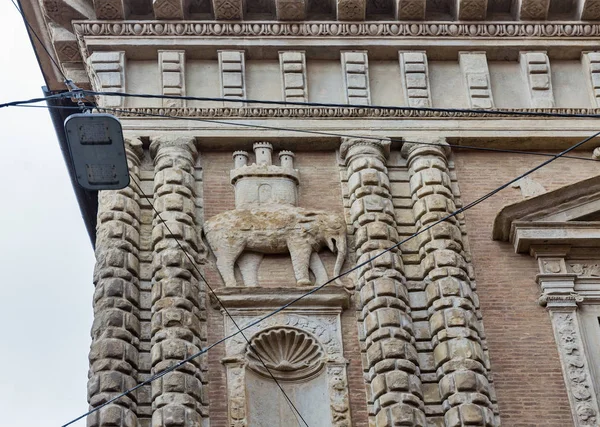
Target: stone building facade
x,y
237,207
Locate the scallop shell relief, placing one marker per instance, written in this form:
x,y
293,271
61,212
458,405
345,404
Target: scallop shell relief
x,y
288,354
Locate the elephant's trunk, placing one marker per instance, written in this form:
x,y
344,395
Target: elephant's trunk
x,y
340,244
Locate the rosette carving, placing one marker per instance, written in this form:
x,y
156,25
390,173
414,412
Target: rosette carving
x,y
288,353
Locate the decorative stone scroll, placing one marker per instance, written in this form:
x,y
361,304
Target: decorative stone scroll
x,y
394,388
232,67
267,221
108,75
116,330
477,76
178,312
172,76
536,70
293,75
451,301
355,65
591,64
320,337
415,78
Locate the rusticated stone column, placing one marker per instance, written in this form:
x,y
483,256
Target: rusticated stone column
x,y
455,329
391,358
178,315
116,327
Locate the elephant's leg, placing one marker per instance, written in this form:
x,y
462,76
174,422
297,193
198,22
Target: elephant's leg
x,y
300,253
318,269
249,263
226,257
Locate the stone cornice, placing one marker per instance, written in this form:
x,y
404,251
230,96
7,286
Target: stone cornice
x,y
334,112
334,29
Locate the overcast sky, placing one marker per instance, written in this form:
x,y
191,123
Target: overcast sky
x,y
46,258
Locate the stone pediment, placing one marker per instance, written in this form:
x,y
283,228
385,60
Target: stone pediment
x,y
569,215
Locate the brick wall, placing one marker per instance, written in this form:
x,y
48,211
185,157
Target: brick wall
x,y
524,357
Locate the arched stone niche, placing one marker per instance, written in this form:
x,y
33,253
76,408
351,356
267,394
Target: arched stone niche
x,y
304,353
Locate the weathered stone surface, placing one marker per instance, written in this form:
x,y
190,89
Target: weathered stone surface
x,y
116,328
396,396
267,221
455,329
178,330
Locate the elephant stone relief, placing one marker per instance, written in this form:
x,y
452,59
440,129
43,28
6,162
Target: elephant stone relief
x,y
267,220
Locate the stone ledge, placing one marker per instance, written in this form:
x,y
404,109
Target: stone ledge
x,y
258,298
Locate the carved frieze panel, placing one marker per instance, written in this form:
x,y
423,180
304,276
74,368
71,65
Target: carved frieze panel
x,y
477,77
172,74
415,78
591,64
293,75
108,75
355,66
232,67
536,70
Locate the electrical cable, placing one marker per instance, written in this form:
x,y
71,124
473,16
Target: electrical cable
x,y
24,103
191,260
356,267
354,106
295,410
457,146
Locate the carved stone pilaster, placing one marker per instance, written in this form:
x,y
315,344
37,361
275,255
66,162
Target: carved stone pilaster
x,y
293,75
557,282
452,304
178,303
394,387
116,328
